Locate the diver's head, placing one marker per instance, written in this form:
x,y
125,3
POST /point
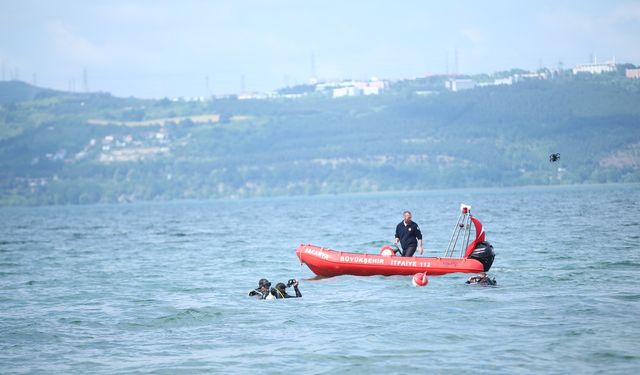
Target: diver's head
x,y
264,285
407,216
281,287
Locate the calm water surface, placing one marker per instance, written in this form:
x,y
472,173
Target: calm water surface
x,y
161,287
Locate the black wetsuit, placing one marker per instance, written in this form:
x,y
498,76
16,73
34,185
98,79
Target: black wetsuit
x,y
482,280
409,236
257,293
279,294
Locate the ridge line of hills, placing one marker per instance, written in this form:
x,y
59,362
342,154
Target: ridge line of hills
x,y
74,148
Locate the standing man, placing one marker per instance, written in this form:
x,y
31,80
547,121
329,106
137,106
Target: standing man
x,y
409,235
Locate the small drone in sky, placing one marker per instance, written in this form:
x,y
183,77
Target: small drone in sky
x,y
554,157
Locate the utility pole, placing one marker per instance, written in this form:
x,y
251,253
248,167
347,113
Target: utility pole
x,y
85,80
446,62
456,70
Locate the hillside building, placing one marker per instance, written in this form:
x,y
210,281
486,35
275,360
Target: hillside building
x,y
633,73
355,88
346,91
460,84
595,68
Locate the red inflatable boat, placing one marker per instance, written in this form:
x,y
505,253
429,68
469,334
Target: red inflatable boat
x,y
474,256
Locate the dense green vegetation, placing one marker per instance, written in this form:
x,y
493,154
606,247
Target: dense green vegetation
x,y
490,136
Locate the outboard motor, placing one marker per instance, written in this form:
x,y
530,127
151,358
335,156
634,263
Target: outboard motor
x,y
483,252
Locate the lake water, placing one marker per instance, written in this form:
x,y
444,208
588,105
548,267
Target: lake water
x,y
161,287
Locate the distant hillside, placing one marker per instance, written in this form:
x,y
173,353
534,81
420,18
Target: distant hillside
x,y
18,91
60,148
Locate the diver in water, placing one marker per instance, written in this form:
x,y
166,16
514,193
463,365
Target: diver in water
x,y
280,291
482,279
262,291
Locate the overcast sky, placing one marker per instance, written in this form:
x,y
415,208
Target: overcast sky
x,y
158,48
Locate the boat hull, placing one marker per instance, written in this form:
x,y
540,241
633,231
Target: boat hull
x,y
328,263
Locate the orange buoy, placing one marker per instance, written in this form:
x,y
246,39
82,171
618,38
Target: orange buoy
x,y
387,251
420,279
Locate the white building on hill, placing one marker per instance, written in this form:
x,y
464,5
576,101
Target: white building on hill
x,y
460,84
346,91
355,88
633,73
595,67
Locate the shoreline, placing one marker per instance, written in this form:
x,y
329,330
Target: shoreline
x,y
298,197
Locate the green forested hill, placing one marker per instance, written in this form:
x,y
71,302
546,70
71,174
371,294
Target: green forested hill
x,y
58,148
18,91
